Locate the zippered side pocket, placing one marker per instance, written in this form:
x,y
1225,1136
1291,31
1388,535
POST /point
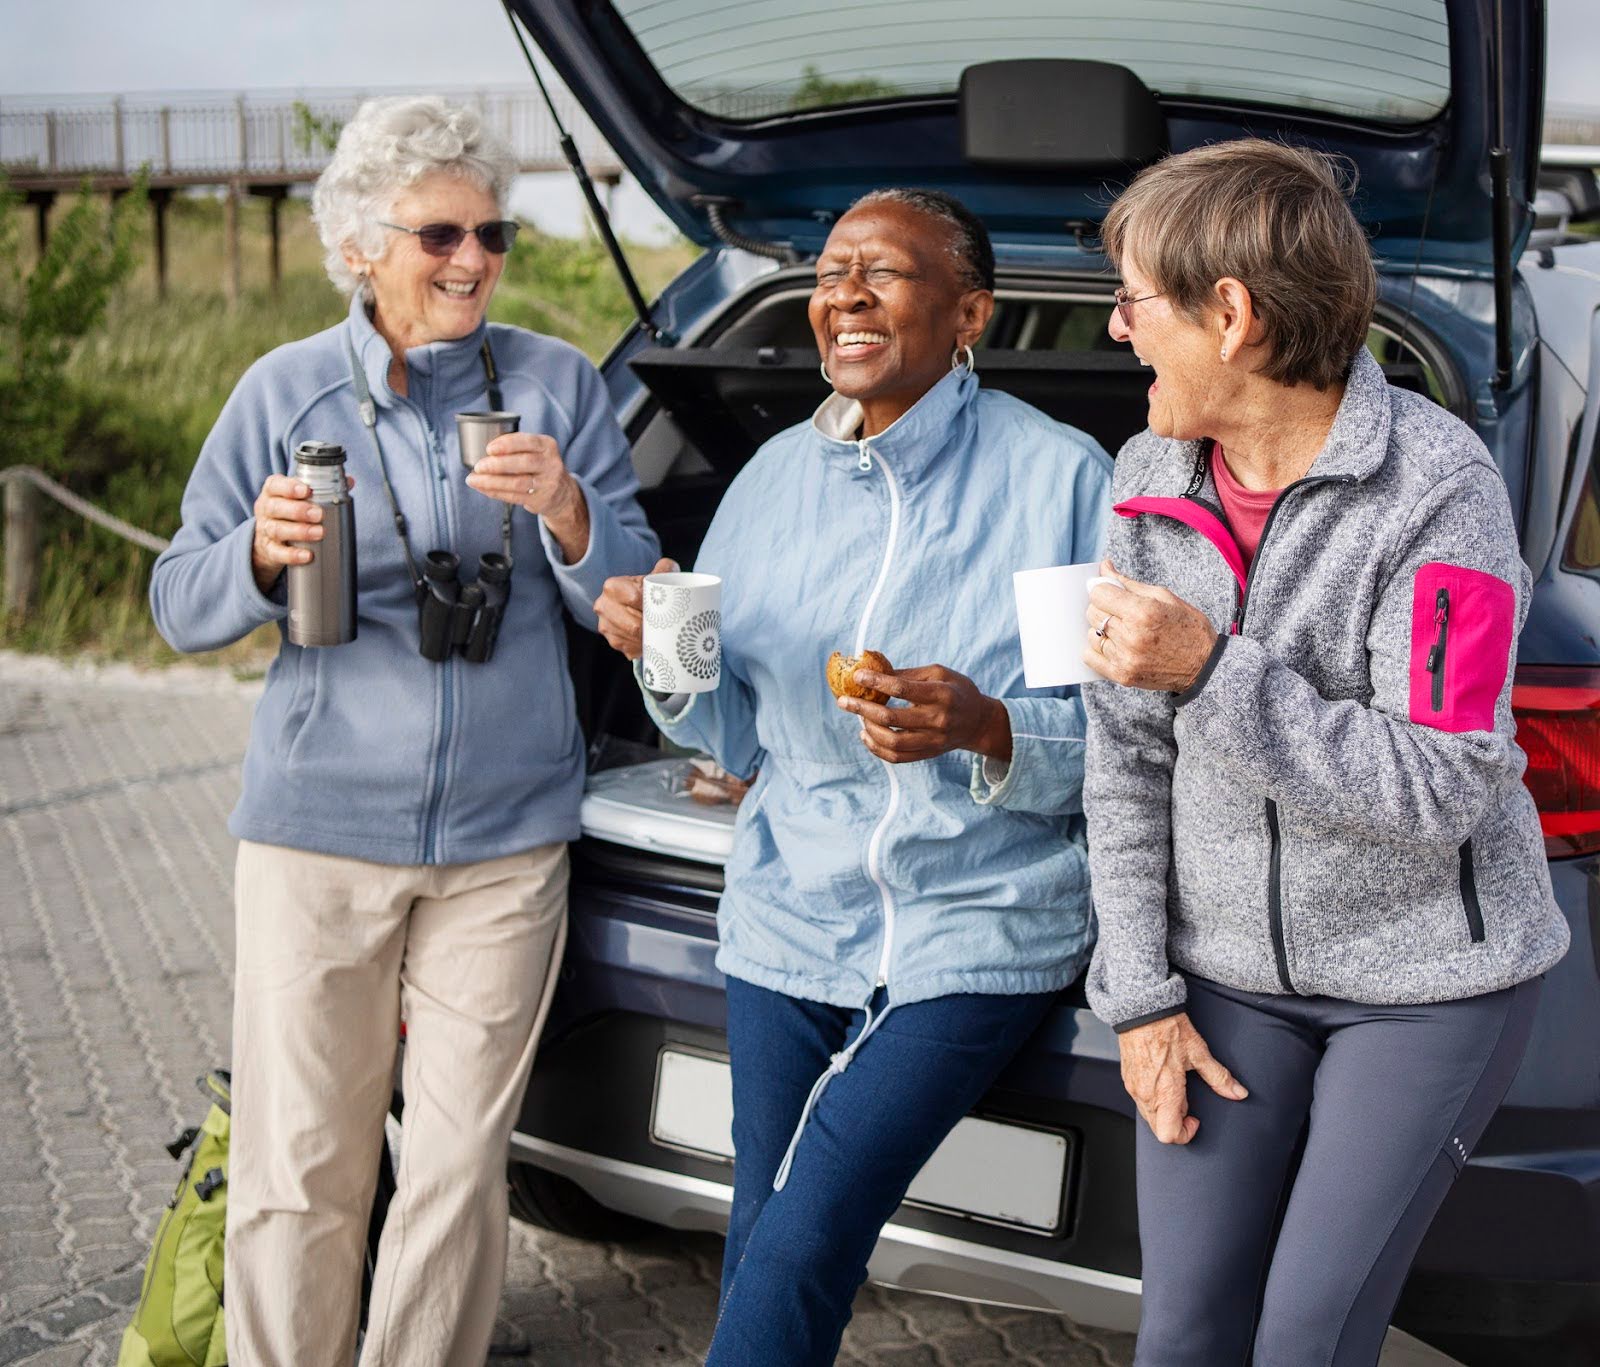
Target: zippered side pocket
x,y
1436,656
1280,948
1469,894
1462,625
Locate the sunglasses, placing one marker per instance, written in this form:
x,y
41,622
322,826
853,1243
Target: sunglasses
x,y
442,239
1125,303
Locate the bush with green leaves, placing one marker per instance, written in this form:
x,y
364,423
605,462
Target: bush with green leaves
x,y
315,132
46,309
816,91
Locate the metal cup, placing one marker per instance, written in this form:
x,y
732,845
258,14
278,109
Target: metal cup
x,y
474,432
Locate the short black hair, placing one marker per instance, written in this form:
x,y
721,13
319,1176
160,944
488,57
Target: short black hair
x,y
970,245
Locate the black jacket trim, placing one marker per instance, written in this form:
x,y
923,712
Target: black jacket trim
x,y
1147,1018
1206,669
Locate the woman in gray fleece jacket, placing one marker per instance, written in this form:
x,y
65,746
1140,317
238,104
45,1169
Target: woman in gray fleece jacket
x,y
1319,880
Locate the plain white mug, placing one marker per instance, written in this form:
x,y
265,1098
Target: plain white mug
x,y
682,632
1052,613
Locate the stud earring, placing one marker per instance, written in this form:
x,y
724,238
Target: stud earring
x,y
1224,353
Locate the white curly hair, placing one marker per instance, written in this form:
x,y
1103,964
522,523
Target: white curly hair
x,y
391,144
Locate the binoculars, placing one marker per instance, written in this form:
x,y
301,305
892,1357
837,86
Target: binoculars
x,y
455,616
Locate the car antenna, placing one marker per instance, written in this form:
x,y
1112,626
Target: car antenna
x,y
569,149
1500,183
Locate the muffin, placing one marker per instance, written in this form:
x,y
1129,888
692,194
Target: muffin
x,y
841,675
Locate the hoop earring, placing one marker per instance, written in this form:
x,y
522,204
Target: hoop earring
x,y
959,362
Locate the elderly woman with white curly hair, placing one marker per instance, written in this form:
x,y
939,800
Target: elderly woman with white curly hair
x,y
403,821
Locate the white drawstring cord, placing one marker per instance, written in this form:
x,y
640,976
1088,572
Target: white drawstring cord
x,y
836,1065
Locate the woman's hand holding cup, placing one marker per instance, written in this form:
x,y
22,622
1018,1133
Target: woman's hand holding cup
x,y
525,469
620,608
1145,636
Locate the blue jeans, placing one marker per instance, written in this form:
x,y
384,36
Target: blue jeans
x,y
795,1257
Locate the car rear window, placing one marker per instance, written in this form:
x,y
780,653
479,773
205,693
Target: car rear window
x,y
1380,60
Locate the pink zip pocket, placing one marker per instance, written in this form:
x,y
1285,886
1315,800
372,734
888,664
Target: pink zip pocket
x,y
1461,630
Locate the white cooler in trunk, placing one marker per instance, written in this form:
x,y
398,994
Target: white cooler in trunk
x,y
635,806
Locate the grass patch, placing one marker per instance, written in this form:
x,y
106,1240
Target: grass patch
x,y
144,389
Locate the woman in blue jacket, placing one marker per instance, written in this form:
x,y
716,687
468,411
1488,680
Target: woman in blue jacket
x,y
907,888
403,823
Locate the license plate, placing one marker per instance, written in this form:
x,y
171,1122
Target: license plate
x,y
987,1170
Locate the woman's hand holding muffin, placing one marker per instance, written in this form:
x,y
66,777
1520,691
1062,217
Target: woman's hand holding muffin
x,y
943,711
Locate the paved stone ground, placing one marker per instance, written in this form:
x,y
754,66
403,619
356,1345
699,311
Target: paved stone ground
x,y
116,941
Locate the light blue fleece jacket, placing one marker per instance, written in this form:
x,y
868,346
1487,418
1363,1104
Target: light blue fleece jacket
x,y
367,749
847,872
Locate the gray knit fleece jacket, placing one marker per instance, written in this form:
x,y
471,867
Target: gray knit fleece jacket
x,y
1335,807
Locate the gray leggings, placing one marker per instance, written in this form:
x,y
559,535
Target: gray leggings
x,y
1388,1102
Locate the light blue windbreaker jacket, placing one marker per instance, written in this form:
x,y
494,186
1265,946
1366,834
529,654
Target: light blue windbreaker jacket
x,y
848,873
367,749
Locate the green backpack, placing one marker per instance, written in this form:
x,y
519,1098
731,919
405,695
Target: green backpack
x,y
178,1322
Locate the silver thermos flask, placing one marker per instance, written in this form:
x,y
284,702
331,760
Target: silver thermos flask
x,y
322,594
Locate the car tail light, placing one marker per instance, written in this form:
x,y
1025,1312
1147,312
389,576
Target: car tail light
x,y
1558,725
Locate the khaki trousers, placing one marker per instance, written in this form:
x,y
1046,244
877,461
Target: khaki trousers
x,y
332,954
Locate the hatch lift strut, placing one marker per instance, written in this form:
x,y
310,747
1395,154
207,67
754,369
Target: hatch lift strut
x,y
1500,183
602,221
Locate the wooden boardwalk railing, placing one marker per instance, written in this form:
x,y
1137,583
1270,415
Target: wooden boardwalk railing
x,y
55,142
248,143
21,486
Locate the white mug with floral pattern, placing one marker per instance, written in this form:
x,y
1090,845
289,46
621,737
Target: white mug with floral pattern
x,y
682,633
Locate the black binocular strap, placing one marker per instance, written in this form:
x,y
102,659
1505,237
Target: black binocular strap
x,y
498,405
369,420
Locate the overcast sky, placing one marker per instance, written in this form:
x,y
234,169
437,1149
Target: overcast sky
x,y
116,46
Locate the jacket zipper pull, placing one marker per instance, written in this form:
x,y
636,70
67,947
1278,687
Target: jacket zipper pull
x,y
865,463
1441,615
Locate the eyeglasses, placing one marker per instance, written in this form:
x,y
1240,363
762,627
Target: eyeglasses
x,y
1125,303
442,239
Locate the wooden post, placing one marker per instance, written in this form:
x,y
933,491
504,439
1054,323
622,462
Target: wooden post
x,y
117,135
244,136
43,201
166,138
230,229
22,547
274,258
159,199
50,141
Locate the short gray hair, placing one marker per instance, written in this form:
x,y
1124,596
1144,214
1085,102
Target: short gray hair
x,y
1274,216
390,145
971,252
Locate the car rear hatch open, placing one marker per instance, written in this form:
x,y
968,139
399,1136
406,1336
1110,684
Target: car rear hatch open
x,y
776,114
